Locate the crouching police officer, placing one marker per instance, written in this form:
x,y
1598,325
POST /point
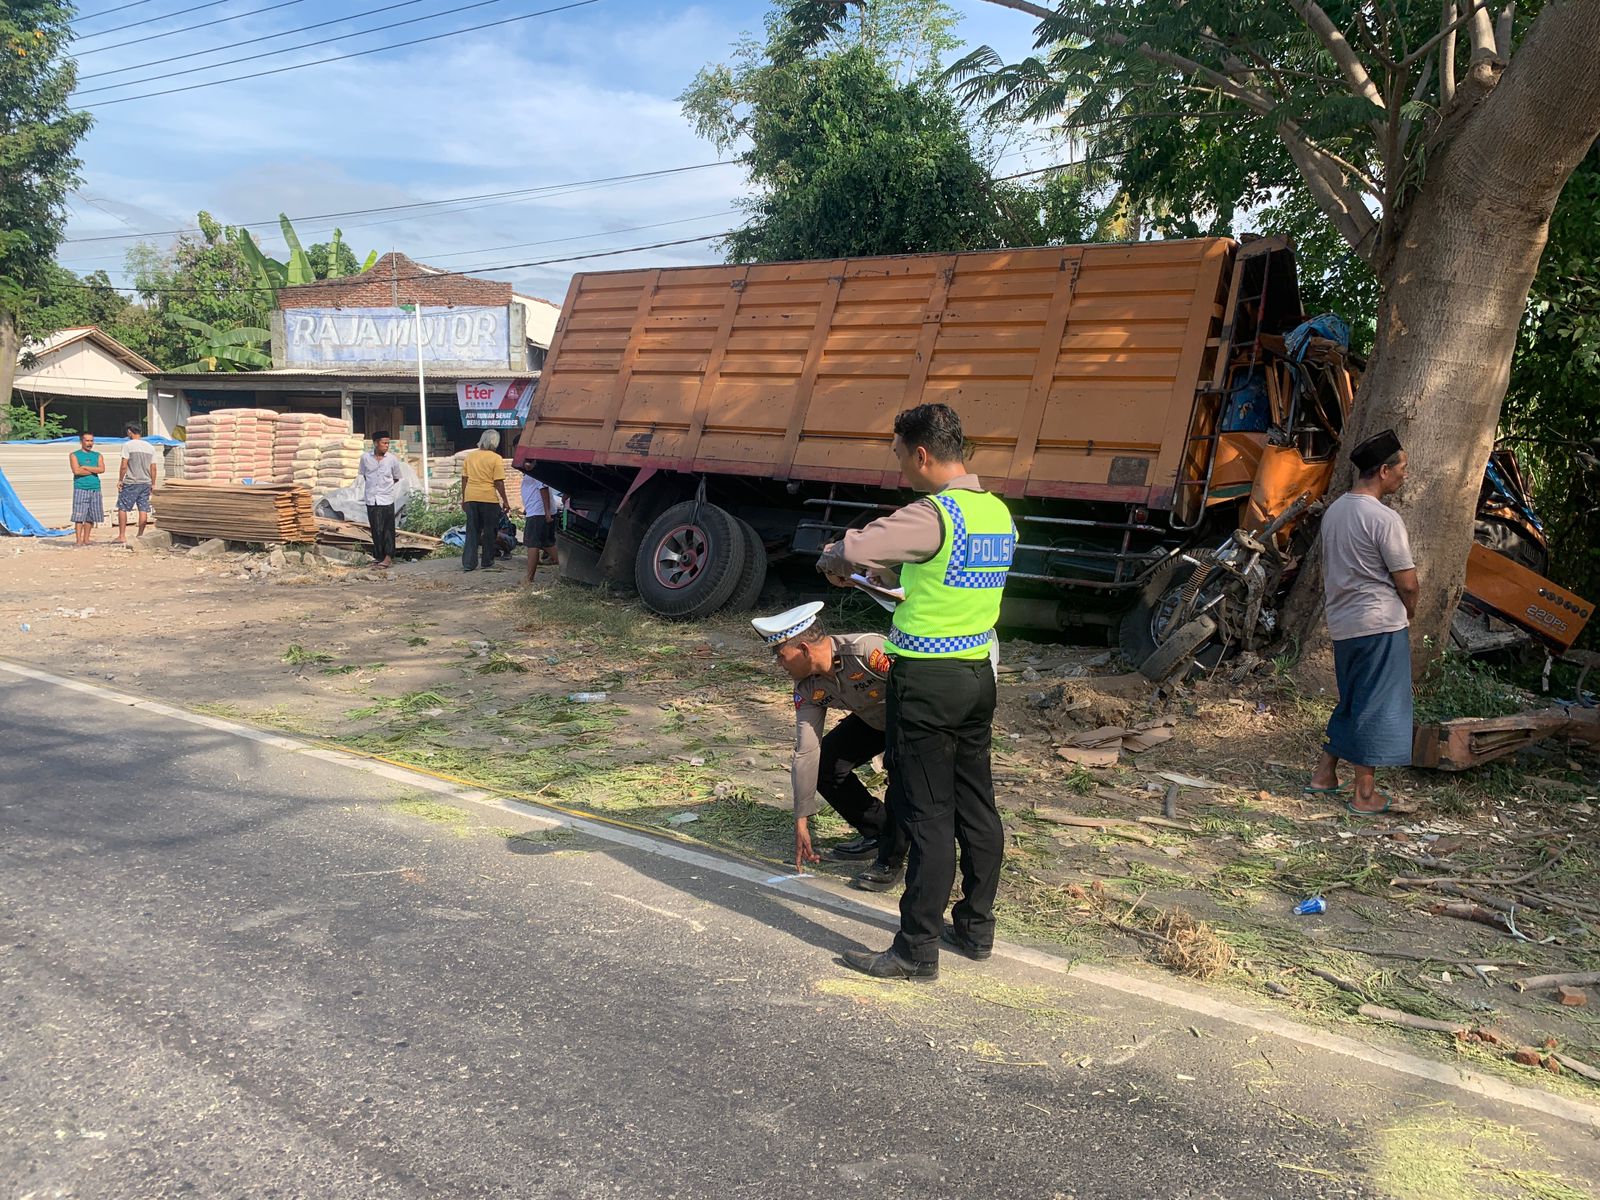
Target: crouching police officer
x,y
953,550
846,672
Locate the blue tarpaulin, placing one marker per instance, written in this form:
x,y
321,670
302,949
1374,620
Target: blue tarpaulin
x,y
17,520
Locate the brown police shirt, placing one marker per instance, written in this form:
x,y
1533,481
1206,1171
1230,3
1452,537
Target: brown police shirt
x,y
859,685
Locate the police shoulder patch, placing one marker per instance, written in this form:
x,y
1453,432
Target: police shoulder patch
x,y
879,661
798,698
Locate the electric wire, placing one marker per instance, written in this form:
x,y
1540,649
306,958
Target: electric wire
x,y
551,188
449,12
186,29
106,12
265,37
544,12
182,12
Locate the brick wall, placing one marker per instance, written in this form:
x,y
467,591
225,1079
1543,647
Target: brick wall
x,y
378,288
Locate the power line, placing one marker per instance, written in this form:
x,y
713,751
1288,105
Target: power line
x,y
182,12
150,37
544,12
432,256
361,212
106,12
266,37
108,87
543,262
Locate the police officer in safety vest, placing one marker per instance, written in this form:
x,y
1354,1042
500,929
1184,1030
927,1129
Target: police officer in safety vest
x,y
952,550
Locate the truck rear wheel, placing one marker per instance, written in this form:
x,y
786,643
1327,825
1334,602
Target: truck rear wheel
x,y
754,576
689,561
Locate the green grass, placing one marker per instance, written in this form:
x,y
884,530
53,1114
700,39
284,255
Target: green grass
x,y
412,704
417,640
500,663
298,656
556,714
1457,686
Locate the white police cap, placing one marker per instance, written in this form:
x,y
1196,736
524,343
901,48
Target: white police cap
x,y
787,624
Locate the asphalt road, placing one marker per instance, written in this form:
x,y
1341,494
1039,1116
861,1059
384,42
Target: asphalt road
x,y
228,969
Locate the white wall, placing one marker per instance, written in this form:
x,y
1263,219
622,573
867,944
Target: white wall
x,y
82,369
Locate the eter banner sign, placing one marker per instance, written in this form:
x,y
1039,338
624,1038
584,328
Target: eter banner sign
x,y
494,404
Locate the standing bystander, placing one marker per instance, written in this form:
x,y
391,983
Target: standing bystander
x,y
483,496
88,509
954,550
540,504
1370,589
136,480
380,482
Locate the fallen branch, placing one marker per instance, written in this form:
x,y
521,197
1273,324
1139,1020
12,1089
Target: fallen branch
x,y
1410,956
1480,880
1578,1068
1394,1016
1338,981
1467,911
1116,826
1577,979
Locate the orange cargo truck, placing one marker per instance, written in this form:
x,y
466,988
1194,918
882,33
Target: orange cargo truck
x,y
1134,403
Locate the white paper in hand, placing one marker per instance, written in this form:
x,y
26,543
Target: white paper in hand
x,y
886,597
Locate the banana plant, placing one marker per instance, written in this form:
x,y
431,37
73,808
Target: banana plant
x,y
215,349
269,274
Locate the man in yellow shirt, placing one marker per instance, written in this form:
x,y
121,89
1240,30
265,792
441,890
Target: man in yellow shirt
x,y
483,496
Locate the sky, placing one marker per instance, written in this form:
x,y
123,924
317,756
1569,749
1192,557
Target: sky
x,y
554,99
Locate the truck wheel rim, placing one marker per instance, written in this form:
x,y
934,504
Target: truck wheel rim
x,y
681,556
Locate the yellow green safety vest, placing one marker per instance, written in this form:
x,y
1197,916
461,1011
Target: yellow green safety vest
x,y
953,600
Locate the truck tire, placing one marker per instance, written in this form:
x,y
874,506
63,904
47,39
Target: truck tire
x,y
754,576
689,561
1177,653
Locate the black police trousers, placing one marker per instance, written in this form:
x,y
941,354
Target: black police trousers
x,y
940,722
844,748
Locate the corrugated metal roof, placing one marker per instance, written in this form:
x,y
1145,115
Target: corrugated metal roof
x,y
329,375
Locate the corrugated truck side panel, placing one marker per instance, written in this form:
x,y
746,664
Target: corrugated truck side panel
x,y
1074,368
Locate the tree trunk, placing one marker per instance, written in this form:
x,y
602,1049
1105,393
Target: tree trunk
x,y
1454,287
10,345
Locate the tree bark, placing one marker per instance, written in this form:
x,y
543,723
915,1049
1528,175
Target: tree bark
x,y
1453,291
10,345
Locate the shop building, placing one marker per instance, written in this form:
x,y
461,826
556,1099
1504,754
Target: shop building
x,y
349,348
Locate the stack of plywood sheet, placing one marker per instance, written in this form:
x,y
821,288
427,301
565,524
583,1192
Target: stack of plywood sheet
x,y
272,512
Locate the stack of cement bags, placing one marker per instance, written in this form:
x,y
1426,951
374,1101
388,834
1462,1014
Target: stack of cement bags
x,y
230,444
339,462
297,431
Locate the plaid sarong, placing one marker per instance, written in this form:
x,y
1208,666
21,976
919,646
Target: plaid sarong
x,y
87,508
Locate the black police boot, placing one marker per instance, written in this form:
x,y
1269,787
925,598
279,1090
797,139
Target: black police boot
x,y
889,965
879,877
952,939
857,847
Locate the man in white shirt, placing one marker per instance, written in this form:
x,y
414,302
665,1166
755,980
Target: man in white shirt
x,y
380,481
540,505
1370,590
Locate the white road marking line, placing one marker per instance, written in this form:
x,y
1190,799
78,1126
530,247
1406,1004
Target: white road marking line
x,y
1188,998
662,912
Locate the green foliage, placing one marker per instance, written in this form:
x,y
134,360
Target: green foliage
x,y
430,519
1457,686
24,422
39,135
298,656
206,279
854,146
62,300
238,349
1552,410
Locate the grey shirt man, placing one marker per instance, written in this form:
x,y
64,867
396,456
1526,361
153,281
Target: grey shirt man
x,y
139,455
380,478
1364,543
858,685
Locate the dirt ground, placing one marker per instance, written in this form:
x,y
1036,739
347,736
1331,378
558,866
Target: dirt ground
x,y
469,676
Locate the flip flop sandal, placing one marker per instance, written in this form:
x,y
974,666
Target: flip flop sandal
x,y
1312,789
1371,812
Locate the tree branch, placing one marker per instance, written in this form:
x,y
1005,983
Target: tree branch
x,y
1454,18
1482,30
1447,55
1502,31
1344,55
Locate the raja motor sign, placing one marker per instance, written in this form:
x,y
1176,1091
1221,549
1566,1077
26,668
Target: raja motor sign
x,y
494,403
466,336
